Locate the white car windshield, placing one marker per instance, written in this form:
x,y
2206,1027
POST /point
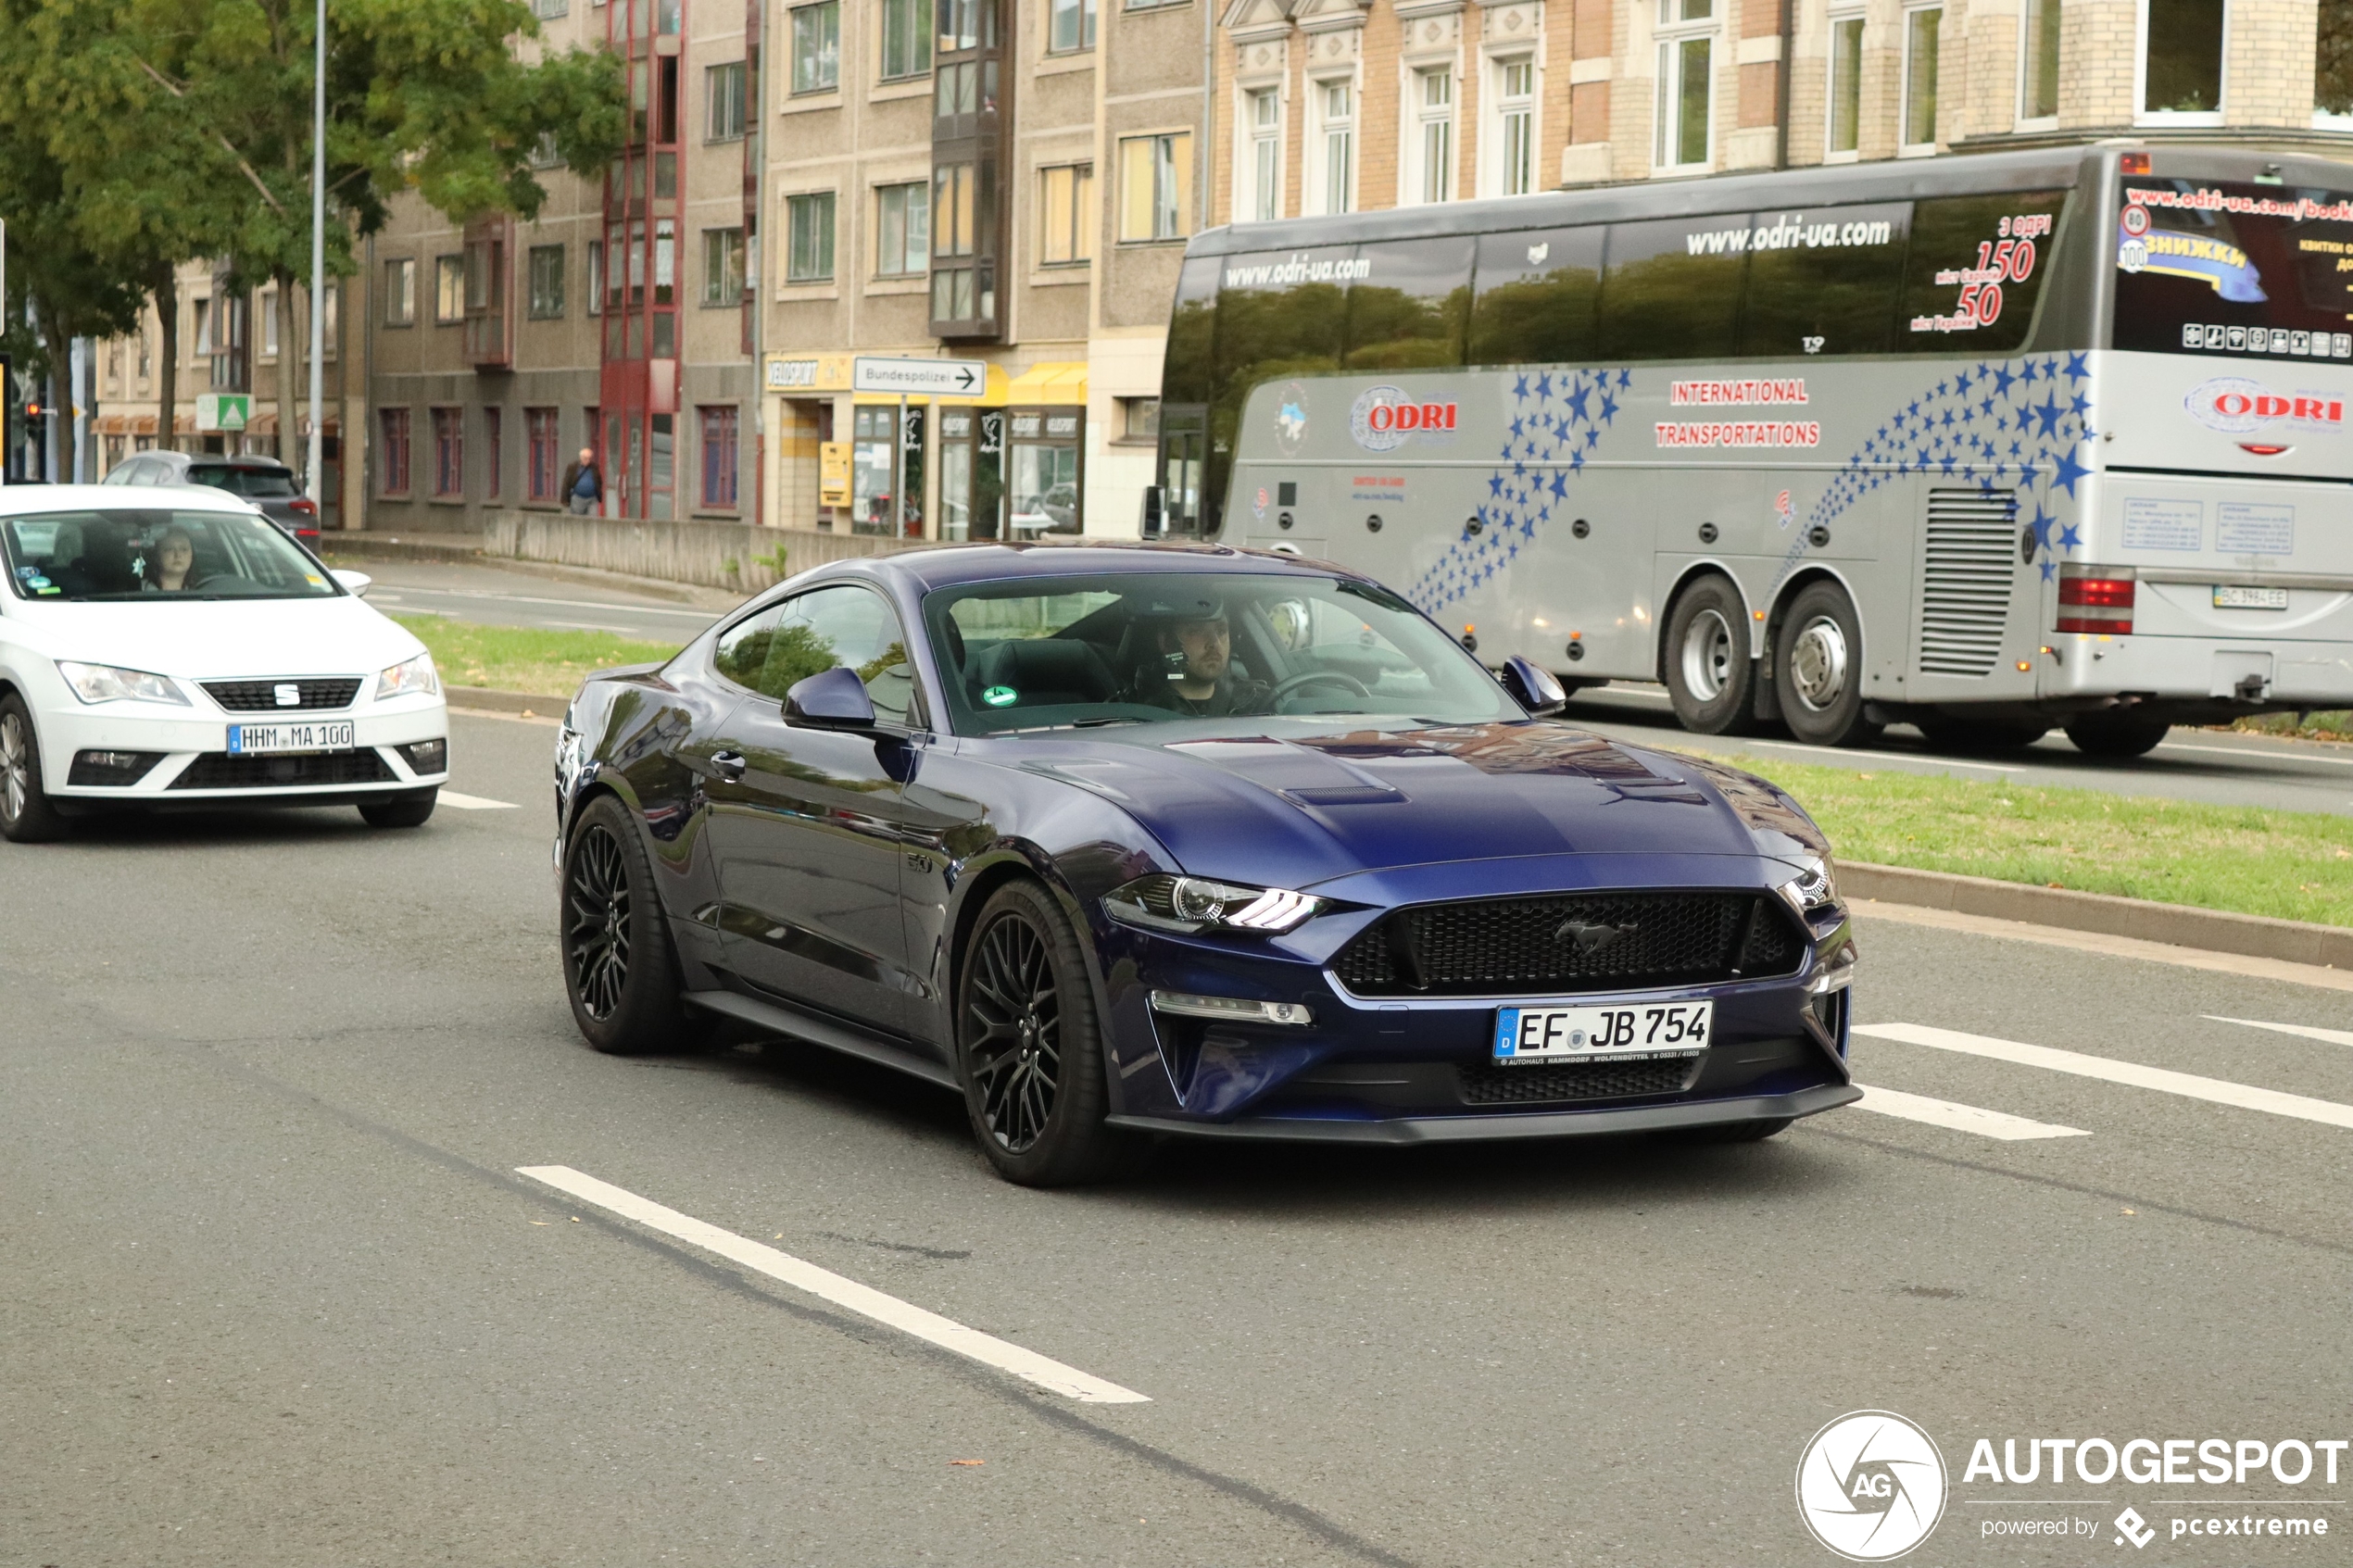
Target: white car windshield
x,y
138,554
1149,647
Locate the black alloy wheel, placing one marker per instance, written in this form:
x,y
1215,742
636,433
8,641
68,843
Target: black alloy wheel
x,y
1028,1050
619,971
26,814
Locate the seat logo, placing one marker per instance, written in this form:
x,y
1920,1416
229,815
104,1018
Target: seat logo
x,y
1870,1486
1592,938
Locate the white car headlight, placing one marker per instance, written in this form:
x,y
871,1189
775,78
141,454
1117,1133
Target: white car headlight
x,y
408,678
104,683
1812,890
1191,903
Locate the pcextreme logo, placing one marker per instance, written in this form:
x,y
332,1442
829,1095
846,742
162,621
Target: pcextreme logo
x,y
1870,1486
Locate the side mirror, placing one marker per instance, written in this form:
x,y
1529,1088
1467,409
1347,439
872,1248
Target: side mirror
x,y
1538,690
832,699
354,582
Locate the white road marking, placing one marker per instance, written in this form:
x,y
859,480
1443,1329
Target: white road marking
x,y
473,802
2190,1085
705,616
1961,1118
2105,945
2262,753
842,1292
1916,758
2334,1036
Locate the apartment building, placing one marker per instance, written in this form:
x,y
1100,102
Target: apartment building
x,y
1007,181
1334,106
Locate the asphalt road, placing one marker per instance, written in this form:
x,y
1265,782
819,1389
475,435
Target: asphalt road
x,y
494,597
275,1294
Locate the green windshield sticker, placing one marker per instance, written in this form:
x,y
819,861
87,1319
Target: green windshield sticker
x,y
998,696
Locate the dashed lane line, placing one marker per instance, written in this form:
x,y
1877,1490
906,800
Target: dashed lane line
x,y
2190,1085
843,1292
1961,1118
2311,1031
450,797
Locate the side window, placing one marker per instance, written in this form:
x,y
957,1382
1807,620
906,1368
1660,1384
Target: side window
x,y
1540,294
1976,268
814,632
1825,281
1673,287
1409,306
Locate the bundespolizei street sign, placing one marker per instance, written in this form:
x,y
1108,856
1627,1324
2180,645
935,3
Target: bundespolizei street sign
x,y
919,377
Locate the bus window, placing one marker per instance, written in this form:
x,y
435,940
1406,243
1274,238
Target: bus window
x,y
1538,294
1281,313
1976,268
1824,280
1409,306
1673,287
1186,376
2246,271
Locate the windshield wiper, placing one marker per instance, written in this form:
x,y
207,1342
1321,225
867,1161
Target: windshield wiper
x,y
1098,723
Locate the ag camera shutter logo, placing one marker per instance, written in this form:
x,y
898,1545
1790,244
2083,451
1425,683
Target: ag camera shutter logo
x,y
1870,1486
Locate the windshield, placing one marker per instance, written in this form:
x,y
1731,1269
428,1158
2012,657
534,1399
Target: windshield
x,y
1157,647
137,553
267,484
2234,271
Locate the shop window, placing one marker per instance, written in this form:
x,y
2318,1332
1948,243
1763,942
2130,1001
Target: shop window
x,y
872,474
1042,487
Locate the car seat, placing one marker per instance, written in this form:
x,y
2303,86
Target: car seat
x,y
1045,672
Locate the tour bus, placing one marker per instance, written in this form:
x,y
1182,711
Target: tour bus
x,y
1986,444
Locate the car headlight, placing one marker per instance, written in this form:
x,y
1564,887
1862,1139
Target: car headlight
x,y
410,677
1193,903
1812,890
104,683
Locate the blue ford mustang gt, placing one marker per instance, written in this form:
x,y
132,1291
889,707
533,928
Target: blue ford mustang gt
x,y
1121,842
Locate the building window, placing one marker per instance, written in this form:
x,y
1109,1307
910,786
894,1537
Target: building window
x,y
1515,101
2181,59
1156,184
1430,173
494,448
902,230
448,289
906,39
332,316
391,461
595,277
2038,57
2332,65
816,47
203,335
147,351
722,266
809,224
1921,30
1686,85
1265,169
546,456
1140,418
400,292
1064,193
546,282
1335,171
549,10
723,87
1846,84
1072,26
268,308
955,293
449,454
718,457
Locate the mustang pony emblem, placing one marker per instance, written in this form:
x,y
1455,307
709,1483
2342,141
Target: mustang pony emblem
x,y
1590,938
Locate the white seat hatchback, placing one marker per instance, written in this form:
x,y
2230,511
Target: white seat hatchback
x,y
170,647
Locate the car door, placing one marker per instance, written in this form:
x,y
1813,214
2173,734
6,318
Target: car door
x,y
809,824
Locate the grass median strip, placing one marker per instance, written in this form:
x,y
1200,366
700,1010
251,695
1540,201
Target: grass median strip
x,y
2292,865
523,659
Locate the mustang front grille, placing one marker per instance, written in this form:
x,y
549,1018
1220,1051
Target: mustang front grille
x,y
1576,1080
261,697
1565,943
218,770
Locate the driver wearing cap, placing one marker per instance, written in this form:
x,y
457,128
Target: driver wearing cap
x,y
1197,647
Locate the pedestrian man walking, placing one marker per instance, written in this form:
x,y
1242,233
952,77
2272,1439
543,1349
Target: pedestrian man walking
x,y
583,486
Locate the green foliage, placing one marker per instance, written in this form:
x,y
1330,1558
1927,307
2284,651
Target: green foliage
x,y
523,659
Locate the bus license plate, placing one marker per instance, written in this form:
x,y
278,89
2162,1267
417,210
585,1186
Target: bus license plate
x,y
258,740
1577,1034
2251,599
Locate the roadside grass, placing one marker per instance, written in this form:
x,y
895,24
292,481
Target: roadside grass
x,y
2292,865
2315,726
523,659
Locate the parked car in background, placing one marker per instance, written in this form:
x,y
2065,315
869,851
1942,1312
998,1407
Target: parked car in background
x,y
267,483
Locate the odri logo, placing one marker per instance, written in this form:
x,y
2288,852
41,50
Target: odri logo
x,y
1870,1486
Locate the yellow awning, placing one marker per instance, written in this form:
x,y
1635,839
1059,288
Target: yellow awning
x,y
1055,382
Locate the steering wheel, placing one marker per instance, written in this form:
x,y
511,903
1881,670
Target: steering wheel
x,y
1306,678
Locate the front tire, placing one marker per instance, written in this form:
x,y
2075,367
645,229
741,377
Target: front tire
x,y
619,971
2099,736
27,815
1708,670
409,811
1817,667
1028,1050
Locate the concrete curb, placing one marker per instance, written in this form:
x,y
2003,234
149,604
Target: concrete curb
x,y
492,700
2177,925
464,550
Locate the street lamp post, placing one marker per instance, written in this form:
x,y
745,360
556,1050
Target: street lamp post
x,y
312,457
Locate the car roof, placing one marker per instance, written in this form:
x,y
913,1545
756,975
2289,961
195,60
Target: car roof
x,y
957,565
240,461
31,501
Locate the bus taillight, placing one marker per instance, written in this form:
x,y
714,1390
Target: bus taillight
x,y
2096,598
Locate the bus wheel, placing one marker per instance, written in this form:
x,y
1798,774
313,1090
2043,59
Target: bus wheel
x,y
2099,735
1817,668
1707,662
